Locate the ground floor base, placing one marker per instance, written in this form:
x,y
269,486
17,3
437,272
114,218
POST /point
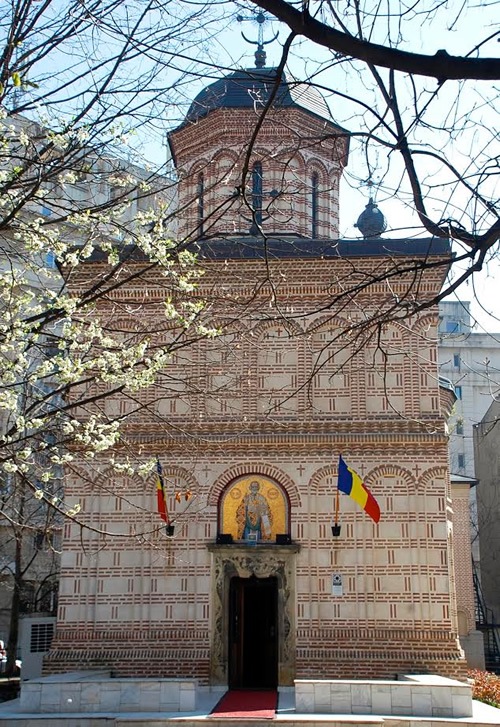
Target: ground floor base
x,y
254,635
248,658
87,699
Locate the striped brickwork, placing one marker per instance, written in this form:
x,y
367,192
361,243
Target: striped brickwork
x,y
295,378
463,564
291,145
280,396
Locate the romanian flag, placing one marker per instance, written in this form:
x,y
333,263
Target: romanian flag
x,y
351,484
160,493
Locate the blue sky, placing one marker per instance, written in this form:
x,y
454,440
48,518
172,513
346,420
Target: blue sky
x,y
210,44
453,28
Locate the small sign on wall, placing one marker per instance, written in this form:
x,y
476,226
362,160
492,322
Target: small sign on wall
x,y
337,589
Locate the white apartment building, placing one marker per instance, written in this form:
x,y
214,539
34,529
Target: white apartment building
x,y
472,363
471,360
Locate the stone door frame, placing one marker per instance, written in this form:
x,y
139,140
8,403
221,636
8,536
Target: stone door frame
x,y
245,561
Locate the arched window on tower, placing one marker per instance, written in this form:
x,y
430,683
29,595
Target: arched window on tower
x,y
200,203
314,205
257,195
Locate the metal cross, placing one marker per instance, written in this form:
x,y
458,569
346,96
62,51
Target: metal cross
x,y
260,18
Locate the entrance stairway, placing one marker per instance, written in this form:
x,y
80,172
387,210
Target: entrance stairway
x,y
12,714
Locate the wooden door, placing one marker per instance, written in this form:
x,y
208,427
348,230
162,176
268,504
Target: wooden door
x,y
253,633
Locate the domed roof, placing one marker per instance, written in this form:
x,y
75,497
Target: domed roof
x,y
371,222
251,88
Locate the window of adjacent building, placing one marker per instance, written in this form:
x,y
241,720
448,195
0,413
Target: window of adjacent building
x,y
314,205
458,392
50,259
6,483
452,326
459,427
456,360
461,461
27,598
47,598
43,540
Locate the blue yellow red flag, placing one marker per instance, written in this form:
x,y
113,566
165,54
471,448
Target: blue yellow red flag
x,y
160,493
351,484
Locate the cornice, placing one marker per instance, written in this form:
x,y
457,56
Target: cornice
x,y
287,444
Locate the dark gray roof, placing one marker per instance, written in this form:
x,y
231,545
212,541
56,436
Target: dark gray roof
x,y
461,480
251,88
301,247
255,248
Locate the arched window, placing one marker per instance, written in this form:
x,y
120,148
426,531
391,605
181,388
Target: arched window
x,y
200,203
257,192
314,205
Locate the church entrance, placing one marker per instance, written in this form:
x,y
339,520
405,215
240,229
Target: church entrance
x,y
252,635
253,632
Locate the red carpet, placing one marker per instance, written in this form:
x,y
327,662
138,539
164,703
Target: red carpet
x,y
246,704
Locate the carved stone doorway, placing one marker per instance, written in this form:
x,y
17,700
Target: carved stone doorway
x,y
274,564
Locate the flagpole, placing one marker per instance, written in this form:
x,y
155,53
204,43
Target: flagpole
x,y
162,503
336,526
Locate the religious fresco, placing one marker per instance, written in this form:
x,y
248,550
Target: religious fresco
x,y
254,509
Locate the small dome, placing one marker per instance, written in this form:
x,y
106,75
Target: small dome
x,y
251,89
371,222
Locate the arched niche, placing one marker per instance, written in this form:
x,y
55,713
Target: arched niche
x,y
254,509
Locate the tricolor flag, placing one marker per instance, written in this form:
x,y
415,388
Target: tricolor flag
x,y
160,493
351,484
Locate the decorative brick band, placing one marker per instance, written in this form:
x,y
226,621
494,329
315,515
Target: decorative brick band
x,y
257,468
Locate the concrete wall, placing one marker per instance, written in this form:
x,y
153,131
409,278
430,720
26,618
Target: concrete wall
x,y
487,447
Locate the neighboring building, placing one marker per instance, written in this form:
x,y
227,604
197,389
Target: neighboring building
x,y
30,531
253,589
469,626
32,558
472,363
487,459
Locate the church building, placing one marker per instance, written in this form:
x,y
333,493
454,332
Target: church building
x,y
268,574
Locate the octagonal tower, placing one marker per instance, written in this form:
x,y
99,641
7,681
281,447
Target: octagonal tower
x,y
259,154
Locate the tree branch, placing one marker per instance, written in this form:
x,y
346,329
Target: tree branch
x,y
441,65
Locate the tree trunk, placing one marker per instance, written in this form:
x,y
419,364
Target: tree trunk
x,y
13,637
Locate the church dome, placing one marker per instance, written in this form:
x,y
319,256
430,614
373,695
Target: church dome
x,y
371,222
251,89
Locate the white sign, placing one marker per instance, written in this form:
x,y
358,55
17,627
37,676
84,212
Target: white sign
x,y
337,589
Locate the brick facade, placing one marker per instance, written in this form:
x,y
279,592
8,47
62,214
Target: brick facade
x,y
291,146
295,379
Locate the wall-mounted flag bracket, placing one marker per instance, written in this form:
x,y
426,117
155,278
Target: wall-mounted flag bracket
x,y
336,526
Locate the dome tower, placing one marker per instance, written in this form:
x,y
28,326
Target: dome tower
x,y
259,154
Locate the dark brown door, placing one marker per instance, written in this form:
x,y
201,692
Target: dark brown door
x,y
253,633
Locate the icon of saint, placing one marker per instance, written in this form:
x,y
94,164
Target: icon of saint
x,y
253,516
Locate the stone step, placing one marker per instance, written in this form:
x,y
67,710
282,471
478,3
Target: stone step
x,y
487,717
247,723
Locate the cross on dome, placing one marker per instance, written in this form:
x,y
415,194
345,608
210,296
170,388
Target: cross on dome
x,y
261,19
